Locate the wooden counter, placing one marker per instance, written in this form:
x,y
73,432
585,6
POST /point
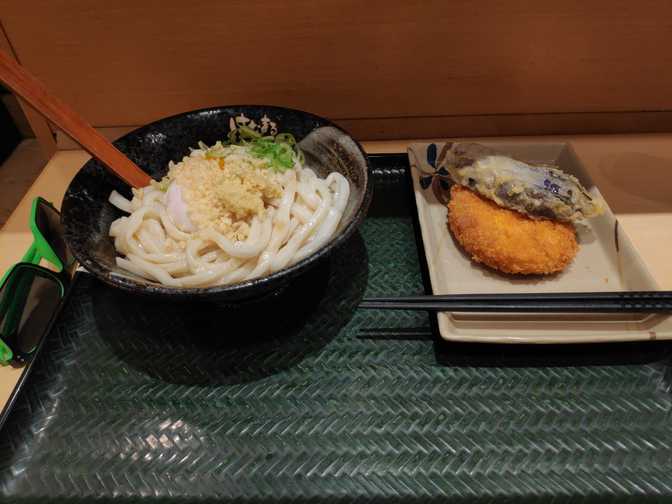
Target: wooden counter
x,y
633,172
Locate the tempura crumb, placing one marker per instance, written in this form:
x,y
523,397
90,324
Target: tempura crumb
x,y
225,193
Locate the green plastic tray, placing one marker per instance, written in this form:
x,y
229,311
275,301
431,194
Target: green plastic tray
x,y
317,401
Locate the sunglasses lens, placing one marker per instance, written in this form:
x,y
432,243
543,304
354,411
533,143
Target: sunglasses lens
x,y
29,299
49,223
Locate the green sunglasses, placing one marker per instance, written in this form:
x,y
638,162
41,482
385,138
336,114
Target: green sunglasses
x,y
29,293
48,244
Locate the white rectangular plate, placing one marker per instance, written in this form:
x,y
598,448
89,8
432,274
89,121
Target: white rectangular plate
x,y
606,261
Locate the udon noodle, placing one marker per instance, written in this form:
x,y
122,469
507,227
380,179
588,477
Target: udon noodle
x,y
266,220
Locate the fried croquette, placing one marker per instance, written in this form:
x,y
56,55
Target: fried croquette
x,y
507,240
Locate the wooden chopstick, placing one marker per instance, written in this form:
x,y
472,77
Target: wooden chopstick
x,y
565,302
25,85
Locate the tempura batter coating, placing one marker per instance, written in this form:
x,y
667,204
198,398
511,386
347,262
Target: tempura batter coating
x,y
508,240
540,191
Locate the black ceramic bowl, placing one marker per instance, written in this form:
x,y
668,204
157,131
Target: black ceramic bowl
x,y
87,214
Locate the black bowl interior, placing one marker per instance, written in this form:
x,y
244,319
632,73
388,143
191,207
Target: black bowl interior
x,y
87,214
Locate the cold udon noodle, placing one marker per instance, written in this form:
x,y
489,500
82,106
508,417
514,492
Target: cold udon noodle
x,y
291,227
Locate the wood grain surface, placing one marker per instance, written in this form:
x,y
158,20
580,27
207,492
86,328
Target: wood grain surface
x,y
385,68
23,83
37,122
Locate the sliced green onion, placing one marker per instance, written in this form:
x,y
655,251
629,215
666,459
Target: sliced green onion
x,y
281,151
247,133
287,138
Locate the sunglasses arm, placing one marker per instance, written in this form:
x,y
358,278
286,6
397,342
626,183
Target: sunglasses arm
x,y
31,255
6,354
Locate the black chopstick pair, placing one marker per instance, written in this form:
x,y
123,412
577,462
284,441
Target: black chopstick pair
x,y
566,302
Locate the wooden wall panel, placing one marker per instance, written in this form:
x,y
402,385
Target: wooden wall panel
x,y
39,125
473,126
404,62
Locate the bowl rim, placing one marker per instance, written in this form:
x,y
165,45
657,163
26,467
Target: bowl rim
x,y
128,284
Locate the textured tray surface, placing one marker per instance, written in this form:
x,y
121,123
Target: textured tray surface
x,y
316,400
